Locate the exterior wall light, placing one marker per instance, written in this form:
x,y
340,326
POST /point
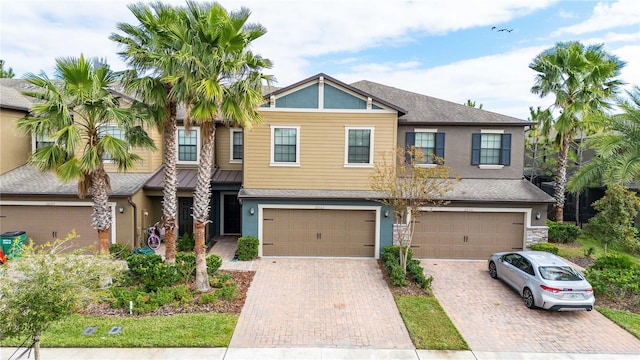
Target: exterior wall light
x,y
252,211
538,215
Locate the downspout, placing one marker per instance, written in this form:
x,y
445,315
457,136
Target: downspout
x,y
135,221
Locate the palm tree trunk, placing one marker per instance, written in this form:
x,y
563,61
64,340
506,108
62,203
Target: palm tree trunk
x,y
561,178
170,199
201,199
101,215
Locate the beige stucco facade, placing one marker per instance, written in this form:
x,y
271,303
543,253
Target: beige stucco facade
x,y
15,145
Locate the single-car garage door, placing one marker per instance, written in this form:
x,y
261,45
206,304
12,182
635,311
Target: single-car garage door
x,y
318,232
48,223
467,235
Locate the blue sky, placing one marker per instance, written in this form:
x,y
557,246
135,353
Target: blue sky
x,y
445,49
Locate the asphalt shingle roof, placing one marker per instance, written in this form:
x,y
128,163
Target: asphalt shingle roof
x,y
11,94
27,180
465,190
429,110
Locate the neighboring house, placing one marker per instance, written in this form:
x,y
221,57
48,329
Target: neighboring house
x,y
306,178
300,180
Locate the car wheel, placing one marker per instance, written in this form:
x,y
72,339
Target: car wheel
x,y
527,296
492,270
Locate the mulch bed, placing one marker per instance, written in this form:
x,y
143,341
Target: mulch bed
x,y
241,278
410,290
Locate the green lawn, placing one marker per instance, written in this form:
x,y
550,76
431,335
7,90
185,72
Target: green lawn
x,y
183,330
585,243
428,324
627,320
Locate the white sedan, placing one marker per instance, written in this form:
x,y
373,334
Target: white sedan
x,y
543,280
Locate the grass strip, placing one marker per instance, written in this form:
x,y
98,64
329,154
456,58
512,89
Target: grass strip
x,y
429,326
625,319
181,330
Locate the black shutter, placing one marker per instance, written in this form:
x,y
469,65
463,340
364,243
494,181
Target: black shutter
x,y
410,140
475,149
505,159
440,145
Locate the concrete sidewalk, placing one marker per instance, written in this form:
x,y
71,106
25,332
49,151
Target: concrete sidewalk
x,y
296,353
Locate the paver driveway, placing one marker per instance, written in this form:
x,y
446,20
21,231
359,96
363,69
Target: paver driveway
x,y
319,303
491,317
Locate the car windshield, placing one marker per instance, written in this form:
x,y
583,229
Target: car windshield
x,y
559,273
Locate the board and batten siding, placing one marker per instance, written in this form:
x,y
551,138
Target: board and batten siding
x,y
322,150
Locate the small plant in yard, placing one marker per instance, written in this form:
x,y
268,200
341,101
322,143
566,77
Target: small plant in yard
x,y
214,262
46,285
185,242
550,248
562,233
589,251
120,251
615,277
391,257
247,248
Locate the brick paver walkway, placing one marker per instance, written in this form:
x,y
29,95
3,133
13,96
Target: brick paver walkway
x,y
491,317
308,302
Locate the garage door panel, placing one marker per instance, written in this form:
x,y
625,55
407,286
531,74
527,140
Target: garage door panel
x,y
467,235
318,232
47,223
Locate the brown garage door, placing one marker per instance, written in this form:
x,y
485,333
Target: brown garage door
x,y
466,235
307,232
47,223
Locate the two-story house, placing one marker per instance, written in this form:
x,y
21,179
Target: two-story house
x,y
300,180
306,179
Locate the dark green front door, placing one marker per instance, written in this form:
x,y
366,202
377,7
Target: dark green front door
x,y
231,215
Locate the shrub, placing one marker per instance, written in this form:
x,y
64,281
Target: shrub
x,y
207,298
227,292
416,272
186,242
247,248
613,261
550,248
614,276
120,251
391,257
220,280
139,263
160,275
213,263
393,252
398,277
562,233
186,264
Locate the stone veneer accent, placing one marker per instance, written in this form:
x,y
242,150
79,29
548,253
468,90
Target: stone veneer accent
x,y
536,234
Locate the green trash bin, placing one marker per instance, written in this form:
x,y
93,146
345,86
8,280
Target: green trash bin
x,y
12,242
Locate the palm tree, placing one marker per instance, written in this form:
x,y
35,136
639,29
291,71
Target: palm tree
x,y
583,81
74,109
617,159
220,80
149,51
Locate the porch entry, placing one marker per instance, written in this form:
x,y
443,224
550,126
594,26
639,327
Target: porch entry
x,y
231,213
185,216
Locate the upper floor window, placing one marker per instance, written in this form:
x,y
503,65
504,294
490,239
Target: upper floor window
x,y
427,142
359,146
236,150
114,131
285,142
491,148
41,140
188,145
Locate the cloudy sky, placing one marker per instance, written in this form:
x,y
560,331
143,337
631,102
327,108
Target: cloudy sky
x,y
446,49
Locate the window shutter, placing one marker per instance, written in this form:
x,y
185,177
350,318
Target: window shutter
x,y
410,138
440,145
475,149
506,150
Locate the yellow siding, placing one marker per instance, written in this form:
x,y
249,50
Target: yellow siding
x,y
223,149
15,146
322,151
151,159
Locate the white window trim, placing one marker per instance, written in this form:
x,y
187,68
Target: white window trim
x,y
198,144
34,140
232,131
488,131
426,131
273,141
346,146
490,167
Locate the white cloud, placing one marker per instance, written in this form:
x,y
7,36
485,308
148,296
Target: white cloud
x,y
605,16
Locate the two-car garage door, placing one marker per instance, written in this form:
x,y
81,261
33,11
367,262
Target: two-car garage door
x,y
318,232
467,235
48,223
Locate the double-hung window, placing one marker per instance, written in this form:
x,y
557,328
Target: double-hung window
x,y
41,140
236,142
491,149
427,146
359,146
113,131
285,142
188,142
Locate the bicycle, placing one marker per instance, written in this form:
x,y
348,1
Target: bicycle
x,y
153,241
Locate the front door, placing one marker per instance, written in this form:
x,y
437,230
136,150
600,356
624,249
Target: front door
x,y
231,214
185,215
